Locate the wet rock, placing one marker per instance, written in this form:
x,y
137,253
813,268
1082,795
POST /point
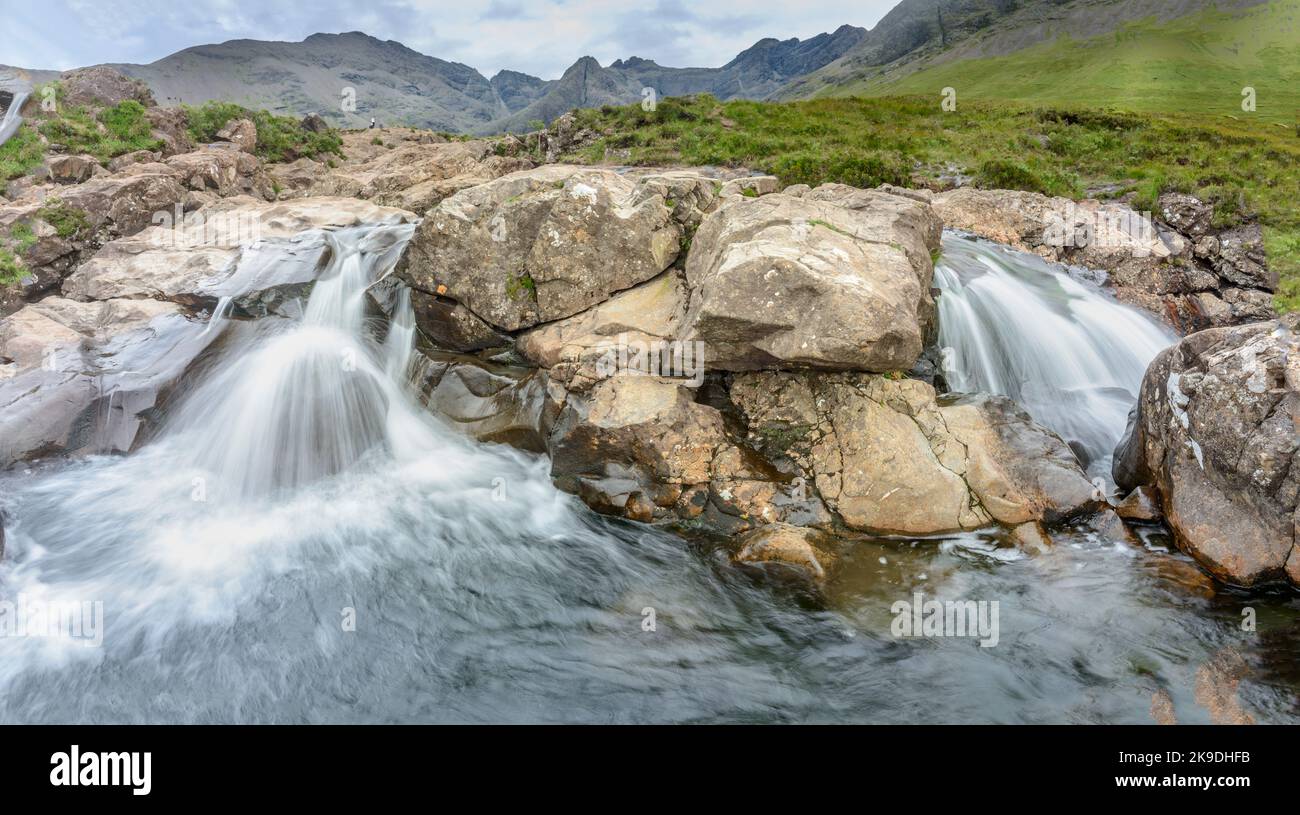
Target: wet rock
x,y
887,457
1032,538
449,325
98,399
1142,504
1215,433
41,332
638,425
1110,527
542,244
490,403
1217,682
240,246
1162,708
809,550
838,278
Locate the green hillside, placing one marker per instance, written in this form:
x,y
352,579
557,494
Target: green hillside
x,y
1197,64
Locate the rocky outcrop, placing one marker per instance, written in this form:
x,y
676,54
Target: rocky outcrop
x,y
1217,433
411,169
102,86
1175,264
86,372
240,246
838,278
887,457
544,244
827,450
223,169
71,222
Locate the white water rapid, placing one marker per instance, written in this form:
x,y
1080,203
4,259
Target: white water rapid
x,y
303,542
1013,324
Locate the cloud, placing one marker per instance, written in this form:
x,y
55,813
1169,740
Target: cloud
x,y
540,37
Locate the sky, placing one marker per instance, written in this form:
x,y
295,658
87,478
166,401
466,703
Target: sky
x,y
539,37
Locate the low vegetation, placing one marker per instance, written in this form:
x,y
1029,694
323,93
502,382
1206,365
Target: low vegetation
x,y
104,134
279,138
20,155
1247,171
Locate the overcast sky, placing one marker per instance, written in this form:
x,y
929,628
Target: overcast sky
x,y
540,37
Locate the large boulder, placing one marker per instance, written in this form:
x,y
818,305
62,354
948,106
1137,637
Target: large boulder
x,y
544,244
887,457
837,278
1172,263
1217,433
102,86
634,443
811,449
240,132
492,403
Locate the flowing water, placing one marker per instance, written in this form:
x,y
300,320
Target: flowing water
x,y
303,543
1013,324
20,90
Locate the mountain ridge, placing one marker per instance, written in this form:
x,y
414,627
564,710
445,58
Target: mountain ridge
x,y
395,84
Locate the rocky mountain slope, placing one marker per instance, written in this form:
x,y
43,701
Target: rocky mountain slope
x,y
398,86
755,73
918,35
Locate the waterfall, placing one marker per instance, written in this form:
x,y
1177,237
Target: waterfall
x,y
303,543
1013,324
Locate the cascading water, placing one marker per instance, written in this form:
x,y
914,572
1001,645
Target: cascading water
x,y
304,543
1013,324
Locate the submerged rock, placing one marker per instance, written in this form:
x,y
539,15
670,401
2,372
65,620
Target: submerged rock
x,y
1215,433
808,550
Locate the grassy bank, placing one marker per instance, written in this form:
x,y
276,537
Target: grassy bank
x,y
1245,170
